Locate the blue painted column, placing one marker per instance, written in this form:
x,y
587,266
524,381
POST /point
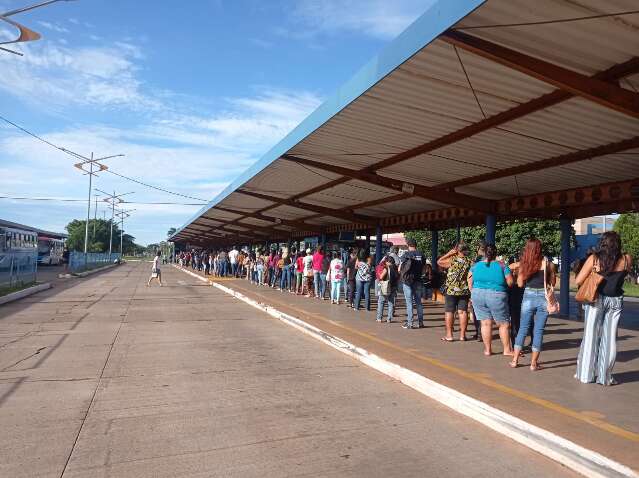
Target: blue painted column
x,y
378,244
458,233
491,228
323,241
565,226
434,249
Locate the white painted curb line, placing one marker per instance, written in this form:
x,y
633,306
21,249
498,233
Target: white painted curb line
x,y
582,460
24,293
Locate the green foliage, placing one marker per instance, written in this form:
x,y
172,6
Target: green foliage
x,y
170,232
98,241
510,237
627,225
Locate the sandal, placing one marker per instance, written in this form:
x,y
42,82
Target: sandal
x,y
513,364
535,368
446,339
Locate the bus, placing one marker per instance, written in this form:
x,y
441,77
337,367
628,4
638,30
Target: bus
x,y
50,250
18,256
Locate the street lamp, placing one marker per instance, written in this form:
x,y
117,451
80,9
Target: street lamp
x,y
112,199
26,34
81,166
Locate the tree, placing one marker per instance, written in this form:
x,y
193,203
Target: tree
x,y
510,237
171,231
98,242
627,225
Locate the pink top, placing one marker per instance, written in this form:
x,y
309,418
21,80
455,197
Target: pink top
x,y
318,257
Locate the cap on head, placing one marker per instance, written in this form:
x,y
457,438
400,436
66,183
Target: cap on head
x,y
411,242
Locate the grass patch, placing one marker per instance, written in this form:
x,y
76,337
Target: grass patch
x,y
15,288
631,290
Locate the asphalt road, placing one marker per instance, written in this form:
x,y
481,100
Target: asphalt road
x,y
109,378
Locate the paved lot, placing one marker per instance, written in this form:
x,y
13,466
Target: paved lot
x,y
105,377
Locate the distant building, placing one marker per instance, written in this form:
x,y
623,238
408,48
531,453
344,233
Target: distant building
x,y
588,231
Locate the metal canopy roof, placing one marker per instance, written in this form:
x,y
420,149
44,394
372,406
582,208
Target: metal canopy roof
x,y
509,107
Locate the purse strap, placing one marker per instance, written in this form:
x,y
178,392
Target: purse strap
x,y
545,267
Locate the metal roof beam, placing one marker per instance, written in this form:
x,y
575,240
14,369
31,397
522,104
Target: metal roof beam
x,y
325,211
562,160
593,89
446,197
545,101
263,217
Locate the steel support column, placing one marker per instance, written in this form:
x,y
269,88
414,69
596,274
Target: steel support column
x,y
434,249
565,226
378,244
491,228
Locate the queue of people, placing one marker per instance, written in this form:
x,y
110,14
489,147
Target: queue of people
x,y
516,296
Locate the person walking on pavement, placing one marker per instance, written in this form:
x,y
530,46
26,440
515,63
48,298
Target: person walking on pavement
x,y
155,270
410,275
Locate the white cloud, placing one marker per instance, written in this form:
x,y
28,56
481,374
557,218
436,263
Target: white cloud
x,y
53,27
171,140
379,18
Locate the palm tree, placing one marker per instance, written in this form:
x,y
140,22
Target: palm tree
x,y
171,231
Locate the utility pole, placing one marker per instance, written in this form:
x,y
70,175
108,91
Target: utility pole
x,y
112,199
81,166
95,214
122,215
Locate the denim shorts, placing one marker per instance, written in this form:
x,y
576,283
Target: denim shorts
x,y
454,303
491,304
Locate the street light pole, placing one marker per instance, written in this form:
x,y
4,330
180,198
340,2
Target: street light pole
x,y
95,214
112,218
86,229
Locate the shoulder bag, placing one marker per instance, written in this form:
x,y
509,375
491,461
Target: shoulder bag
x,y
589,290
552,304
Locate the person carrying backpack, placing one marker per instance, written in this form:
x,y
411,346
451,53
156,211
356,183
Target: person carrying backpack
x,y
410,275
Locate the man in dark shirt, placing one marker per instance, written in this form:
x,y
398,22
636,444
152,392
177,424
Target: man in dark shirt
x,y
411,278
351,272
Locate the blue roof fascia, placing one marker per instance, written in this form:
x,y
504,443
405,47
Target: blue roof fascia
x,y
437,19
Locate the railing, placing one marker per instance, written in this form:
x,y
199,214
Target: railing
x,y
18,268
78,262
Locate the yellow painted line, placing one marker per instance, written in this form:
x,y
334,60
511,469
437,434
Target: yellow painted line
x,y
477,377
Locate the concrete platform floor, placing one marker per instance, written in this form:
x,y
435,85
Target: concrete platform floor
x,y
106,377
603,419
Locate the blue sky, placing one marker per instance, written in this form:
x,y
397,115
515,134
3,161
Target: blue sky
x,y
191,95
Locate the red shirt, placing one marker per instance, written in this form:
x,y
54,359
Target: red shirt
x,y
300,264
318,258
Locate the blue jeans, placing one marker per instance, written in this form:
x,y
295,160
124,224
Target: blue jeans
x,y
316,283
322,285
336,286
362,288
285,278
383,299
413,293
534,304
223,268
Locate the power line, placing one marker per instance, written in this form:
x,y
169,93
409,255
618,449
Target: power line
x,y
50,199
76,156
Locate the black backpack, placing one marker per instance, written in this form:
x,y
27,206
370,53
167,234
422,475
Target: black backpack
x,y
406,274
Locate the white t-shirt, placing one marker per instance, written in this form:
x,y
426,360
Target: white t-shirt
x,y
308,265
156,262
337,270
233,256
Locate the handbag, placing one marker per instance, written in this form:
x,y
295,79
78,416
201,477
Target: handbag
x,y
552,304
384,287
589,290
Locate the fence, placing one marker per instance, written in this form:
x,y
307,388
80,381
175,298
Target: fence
x,y
93,260
18,268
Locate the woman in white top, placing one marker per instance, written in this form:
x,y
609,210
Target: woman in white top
x,y
336,276
155,270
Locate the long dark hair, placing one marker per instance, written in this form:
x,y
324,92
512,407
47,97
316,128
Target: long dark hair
x,y
608,251
531,259
490,253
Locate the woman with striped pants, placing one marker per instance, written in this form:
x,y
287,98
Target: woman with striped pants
x,y
599,345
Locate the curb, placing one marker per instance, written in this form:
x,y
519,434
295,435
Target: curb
x,y
24,293
577,458
93,271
